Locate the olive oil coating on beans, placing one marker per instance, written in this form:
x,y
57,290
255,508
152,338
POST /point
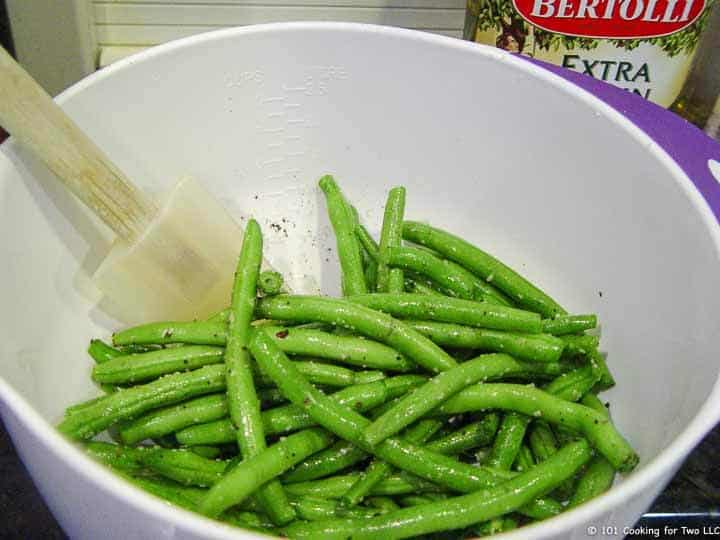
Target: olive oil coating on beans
x,y
443,394
484,265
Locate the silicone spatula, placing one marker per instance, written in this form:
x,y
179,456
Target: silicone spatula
x,y
173,260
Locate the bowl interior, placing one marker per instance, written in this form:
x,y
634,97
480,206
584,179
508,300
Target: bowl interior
x,y
545,178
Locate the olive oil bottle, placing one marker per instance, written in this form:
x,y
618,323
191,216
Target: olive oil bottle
x,y
662,50
699,100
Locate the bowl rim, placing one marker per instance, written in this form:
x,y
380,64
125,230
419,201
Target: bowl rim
x,y
648,476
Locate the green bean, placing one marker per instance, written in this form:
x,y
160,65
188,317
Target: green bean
x,y
72,409
249,520
446,274
137,349
358,318
336,486
370,268
133,368
437,390
384,504
473,435
569,324
543,444
211,432
421,283
290,417
349,425
171,419
580,345
378,469
182,496
597,478
209,452
524,293
179,465
456,512
537,347
524,461
416,287
508,441
368,242
352,350
391,279
328,374
495,526
182,466
131,402
573,385
404,483
108,388
591,400
315,509
570,387
601,370
539,404
101,352
452,310
340,420
339,456
270,282
195,332
542,441
348,247
242,400
251,473
114,456
331,488
599,475
427,285
483,290
375,473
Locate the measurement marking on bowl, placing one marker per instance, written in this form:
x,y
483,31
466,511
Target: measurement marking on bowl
x,y
272,99
291,105
276,114
271,161
272,130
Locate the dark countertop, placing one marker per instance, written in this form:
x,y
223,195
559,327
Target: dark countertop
x,y
696,488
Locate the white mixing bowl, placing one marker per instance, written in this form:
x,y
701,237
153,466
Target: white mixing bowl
x,y
610,213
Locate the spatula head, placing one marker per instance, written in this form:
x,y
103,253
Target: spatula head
x,y
181,268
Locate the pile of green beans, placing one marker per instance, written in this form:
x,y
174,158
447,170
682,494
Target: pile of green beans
x,y
442,393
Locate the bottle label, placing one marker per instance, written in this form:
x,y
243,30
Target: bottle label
x,y
643,46
615,19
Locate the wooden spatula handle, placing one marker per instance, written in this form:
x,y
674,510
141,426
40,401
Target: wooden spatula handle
x,y
29,114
